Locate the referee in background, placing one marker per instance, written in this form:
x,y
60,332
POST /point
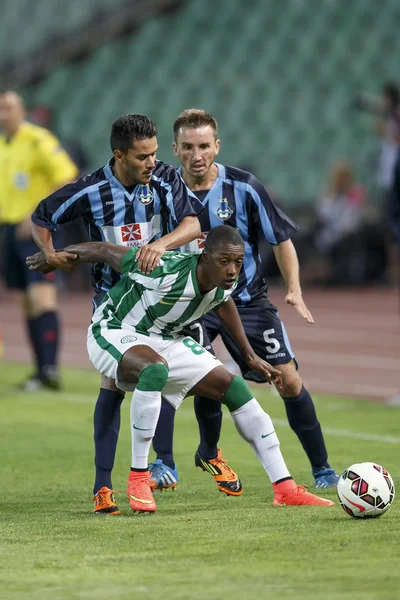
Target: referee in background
x,y
32,166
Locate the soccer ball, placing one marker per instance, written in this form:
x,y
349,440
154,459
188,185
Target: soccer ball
x,y
365,490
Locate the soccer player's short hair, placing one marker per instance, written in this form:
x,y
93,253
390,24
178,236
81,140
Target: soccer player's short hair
x,y
223,234
193,118
129,128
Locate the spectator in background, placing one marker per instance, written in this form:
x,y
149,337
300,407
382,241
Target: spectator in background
x,y
388,128
387,125
33,165
339,219
394,206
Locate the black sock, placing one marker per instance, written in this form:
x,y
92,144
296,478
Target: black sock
x,y
163,440
107,418
32,327
135,470
47,331
209,417
303,420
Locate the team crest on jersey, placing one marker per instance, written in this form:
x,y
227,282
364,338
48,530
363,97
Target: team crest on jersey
x,y
131,233
201,241
146,195
224,211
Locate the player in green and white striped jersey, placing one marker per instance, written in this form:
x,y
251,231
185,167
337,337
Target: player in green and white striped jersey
x,y
162,302
135,338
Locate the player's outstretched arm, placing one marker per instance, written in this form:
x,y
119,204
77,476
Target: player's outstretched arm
x,y
89,252
229,316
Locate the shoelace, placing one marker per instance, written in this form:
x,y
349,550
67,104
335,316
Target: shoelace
x,y
231,475
300,489
101,498
141,479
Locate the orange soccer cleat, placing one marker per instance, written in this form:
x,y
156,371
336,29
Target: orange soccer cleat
x,y
139,492
288,493
225,477
105,504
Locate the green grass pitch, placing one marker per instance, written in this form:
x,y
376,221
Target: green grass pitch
x,y
200,544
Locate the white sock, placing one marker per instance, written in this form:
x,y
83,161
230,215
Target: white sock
x,y
253,423
145,410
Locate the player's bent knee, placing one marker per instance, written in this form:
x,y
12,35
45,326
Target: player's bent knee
x,y
154,377
42,298
237,395
291,387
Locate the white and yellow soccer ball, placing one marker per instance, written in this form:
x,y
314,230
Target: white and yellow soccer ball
x,y
365,490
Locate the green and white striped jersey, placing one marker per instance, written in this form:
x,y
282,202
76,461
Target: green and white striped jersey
x,y
160,303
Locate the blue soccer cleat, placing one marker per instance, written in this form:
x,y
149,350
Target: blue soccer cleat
x,y
162,477
326,478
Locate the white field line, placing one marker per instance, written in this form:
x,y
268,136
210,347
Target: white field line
x,y
343,433
347,433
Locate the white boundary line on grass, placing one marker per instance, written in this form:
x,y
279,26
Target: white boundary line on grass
x,y
366,437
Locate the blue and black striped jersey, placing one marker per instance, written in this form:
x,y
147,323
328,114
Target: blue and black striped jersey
x,y
113,213
238,199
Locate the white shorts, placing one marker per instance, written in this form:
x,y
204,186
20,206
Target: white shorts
x,y
188,362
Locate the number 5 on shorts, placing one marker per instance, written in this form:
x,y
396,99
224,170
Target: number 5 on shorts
x,y
193,346
272,344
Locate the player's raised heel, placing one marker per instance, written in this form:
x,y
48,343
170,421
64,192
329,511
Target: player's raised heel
x,y
105,503
298,496
326,478
225,477
139,492
162,477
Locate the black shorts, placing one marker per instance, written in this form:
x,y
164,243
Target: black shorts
x,y
264,329
16,273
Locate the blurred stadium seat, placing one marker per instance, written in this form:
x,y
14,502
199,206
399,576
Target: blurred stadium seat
x,y
280,78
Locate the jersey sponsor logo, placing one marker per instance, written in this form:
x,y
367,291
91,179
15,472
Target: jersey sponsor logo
x,y
131,233
146,195
128,338
224,211
279,355
165,302
201,241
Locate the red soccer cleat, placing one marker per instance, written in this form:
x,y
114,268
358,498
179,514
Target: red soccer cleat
x,y
139,492
288,493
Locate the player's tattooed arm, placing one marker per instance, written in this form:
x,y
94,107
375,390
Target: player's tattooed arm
x,y
89,252
229,316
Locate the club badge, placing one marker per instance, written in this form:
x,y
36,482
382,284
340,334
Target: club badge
x,y
224,211
146,195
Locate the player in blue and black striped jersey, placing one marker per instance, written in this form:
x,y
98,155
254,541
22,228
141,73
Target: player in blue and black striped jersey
x,y
135,200
236,197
